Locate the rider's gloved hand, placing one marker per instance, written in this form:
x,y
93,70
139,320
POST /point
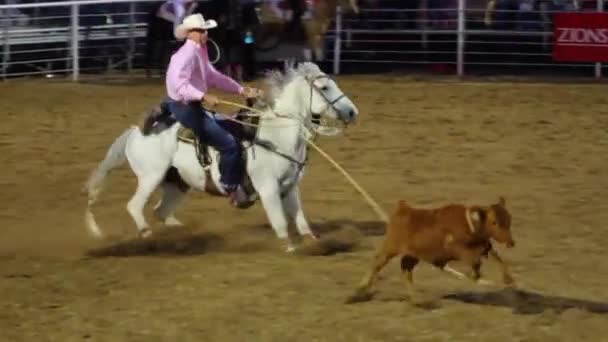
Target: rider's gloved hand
x,y
249,92
211,100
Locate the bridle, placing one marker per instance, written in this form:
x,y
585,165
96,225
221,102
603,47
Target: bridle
x,y
330,103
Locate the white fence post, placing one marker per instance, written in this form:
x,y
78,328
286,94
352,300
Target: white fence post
x,y
598,65
131,51
338,40
461,37
74,24
6,47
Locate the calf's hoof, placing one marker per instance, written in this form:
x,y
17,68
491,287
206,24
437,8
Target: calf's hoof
x,y
426,304
358,297
508,280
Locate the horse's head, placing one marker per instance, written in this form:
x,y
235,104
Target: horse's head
x,y
306,91
327,99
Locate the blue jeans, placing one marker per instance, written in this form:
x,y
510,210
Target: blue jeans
x,y
207,129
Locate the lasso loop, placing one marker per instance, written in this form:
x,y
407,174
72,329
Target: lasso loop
x,y
217,48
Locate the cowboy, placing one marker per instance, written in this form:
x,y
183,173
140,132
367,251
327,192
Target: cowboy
x,y
189,76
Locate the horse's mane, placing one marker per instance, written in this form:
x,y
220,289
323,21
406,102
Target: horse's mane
x,y
276,80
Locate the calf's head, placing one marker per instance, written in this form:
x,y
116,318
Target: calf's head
x,y
494,220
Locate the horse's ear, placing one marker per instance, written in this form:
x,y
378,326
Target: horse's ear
x,y
309,78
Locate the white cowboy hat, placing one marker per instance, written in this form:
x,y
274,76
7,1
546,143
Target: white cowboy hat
x,y
193,22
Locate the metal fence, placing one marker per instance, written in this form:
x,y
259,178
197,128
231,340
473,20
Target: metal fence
x,y
71,36
506,37
447,36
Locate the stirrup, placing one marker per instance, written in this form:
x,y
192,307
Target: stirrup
x,y
202,156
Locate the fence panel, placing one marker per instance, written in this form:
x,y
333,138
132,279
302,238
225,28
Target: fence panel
x,y
54,38
447,36
507,37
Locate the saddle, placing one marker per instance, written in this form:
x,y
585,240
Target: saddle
x,y
160,119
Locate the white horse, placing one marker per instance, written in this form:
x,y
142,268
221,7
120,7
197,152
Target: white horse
x,y
275,172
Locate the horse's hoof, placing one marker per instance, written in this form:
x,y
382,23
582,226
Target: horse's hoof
x,y
290,249
145,233
173,222
309,239
484,282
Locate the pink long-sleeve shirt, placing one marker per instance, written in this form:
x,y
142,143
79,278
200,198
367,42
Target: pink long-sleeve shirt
x,y
190,74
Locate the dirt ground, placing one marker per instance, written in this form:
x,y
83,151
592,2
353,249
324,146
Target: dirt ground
x,y
225,278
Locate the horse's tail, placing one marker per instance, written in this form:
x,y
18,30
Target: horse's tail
x,y
115,157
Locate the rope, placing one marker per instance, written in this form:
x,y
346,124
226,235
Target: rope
x,y
259,113
217,48
381,213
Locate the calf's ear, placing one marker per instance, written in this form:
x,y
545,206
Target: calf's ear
x,y
476,218
502,201
482,214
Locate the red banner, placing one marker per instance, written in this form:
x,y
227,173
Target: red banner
x,y
580,37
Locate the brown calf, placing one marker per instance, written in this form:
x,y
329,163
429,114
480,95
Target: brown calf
x,y
441,235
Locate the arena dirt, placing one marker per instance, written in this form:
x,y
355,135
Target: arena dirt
x,y
224,277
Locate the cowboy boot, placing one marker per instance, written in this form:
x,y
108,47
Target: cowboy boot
x,y
240,199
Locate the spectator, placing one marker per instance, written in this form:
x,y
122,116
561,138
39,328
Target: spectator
x,y
175,10
528,18
443,14
501,14
237,19
16,17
